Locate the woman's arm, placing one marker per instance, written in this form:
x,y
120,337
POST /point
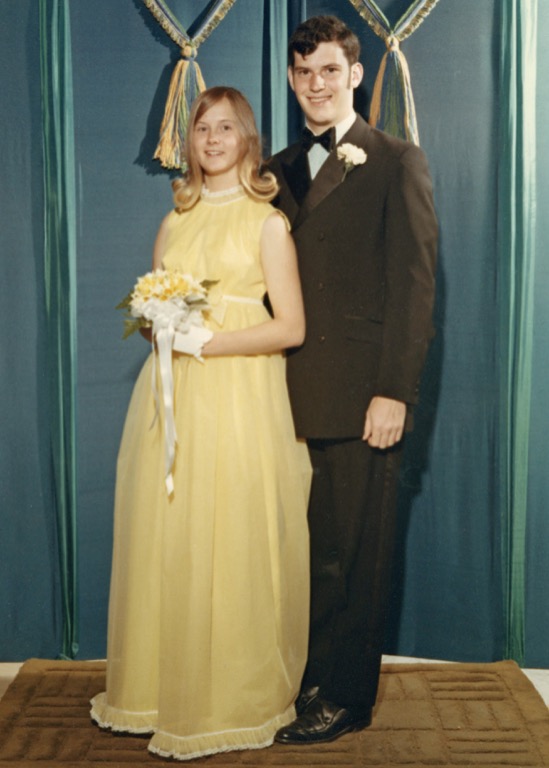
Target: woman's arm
x,y
159,243
287,327
158,252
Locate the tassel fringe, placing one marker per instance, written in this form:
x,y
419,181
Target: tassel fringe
x,y
185,85
393,108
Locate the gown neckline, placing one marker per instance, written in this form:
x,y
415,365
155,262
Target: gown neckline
x,y
223,195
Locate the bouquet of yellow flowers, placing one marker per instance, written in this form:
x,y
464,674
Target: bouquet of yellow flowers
x,y
165,297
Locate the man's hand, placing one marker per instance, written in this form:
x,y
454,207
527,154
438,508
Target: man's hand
x,y
384,424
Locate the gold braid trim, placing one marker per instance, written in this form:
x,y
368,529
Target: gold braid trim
x,y
218,16
170,29
359,7
400,34
417,19
178,34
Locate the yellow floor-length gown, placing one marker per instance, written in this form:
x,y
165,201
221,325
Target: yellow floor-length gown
x,y
208,614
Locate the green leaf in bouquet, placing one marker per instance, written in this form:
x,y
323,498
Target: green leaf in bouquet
x,y
133,324
207,284
126,301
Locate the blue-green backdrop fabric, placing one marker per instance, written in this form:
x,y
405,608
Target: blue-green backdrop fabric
x,y
29,576
448,599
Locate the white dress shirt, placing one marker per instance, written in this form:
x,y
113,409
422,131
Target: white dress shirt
x,y
317,154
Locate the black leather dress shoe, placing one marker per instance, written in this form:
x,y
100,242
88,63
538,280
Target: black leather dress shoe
x,y
305,697
323,721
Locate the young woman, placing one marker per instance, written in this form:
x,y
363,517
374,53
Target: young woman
x,y
209,593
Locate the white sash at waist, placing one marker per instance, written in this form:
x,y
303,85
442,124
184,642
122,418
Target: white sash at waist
x,y
241,299
217,311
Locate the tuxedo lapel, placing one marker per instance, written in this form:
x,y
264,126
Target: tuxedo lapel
x,y
331,173
297,175
327,179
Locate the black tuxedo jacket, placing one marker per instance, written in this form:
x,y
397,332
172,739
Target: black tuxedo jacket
x,y
366,247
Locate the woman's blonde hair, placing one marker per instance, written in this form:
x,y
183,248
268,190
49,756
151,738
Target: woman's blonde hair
x,y
259,186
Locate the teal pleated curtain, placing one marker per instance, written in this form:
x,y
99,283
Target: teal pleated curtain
x,y
517,254
278,102
60,288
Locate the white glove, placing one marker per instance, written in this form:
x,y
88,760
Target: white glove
x,y
192,342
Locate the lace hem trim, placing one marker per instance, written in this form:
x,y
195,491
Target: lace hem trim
x,y
191,747
185,747
120,720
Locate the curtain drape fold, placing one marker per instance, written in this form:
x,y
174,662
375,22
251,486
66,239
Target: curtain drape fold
x,y
278,81
60,289
516,232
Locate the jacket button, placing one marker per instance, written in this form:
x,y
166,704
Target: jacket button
x,y
321,235
320,286
322,339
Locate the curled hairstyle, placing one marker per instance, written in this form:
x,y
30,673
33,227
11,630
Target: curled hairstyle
x,y
323,29
257,184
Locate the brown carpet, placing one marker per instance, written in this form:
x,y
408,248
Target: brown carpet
x,y
427,715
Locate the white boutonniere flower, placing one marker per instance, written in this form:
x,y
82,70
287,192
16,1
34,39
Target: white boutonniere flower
x,y
351,156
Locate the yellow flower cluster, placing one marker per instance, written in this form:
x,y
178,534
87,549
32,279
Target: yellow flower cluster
x,y
163,293
165,285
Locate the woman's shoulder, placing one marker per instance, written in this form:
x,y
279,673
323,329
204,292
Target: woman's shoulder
x,y
279,219
166,222
172,216
259,209
275,223
177,216
270,216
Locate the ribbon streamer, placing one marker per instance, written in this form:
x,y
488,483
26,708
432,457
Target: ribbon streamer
x,y
163,331
164,343
187,81
393,109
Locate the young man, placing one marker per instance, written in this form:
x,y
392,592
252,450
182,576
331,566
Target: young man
x,y
366,232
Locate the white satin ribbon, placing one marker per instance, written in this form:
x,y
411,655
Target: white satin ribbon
x,y
163,331
164,342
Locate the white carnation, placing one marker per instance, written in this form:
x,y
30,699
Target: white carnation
x,y
351,154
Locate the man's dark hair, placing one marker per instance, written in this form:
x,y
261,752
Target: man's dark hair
x,y
323,29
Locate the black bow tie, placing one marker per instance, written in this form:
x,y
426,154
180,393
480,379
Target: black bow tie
x,y
326,139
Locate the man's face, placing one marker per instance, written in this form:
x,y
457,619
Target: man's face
x,y
323,83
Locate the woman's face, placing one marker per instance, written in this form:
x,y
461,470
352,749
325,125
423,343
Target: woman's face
x,y
217,144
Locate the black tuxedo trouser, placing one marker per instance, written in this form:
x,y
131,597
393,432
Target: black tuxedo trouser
x,y
352,513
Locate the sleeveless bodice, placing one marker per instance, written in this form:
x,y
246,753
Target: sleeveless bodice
x,y
218,239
